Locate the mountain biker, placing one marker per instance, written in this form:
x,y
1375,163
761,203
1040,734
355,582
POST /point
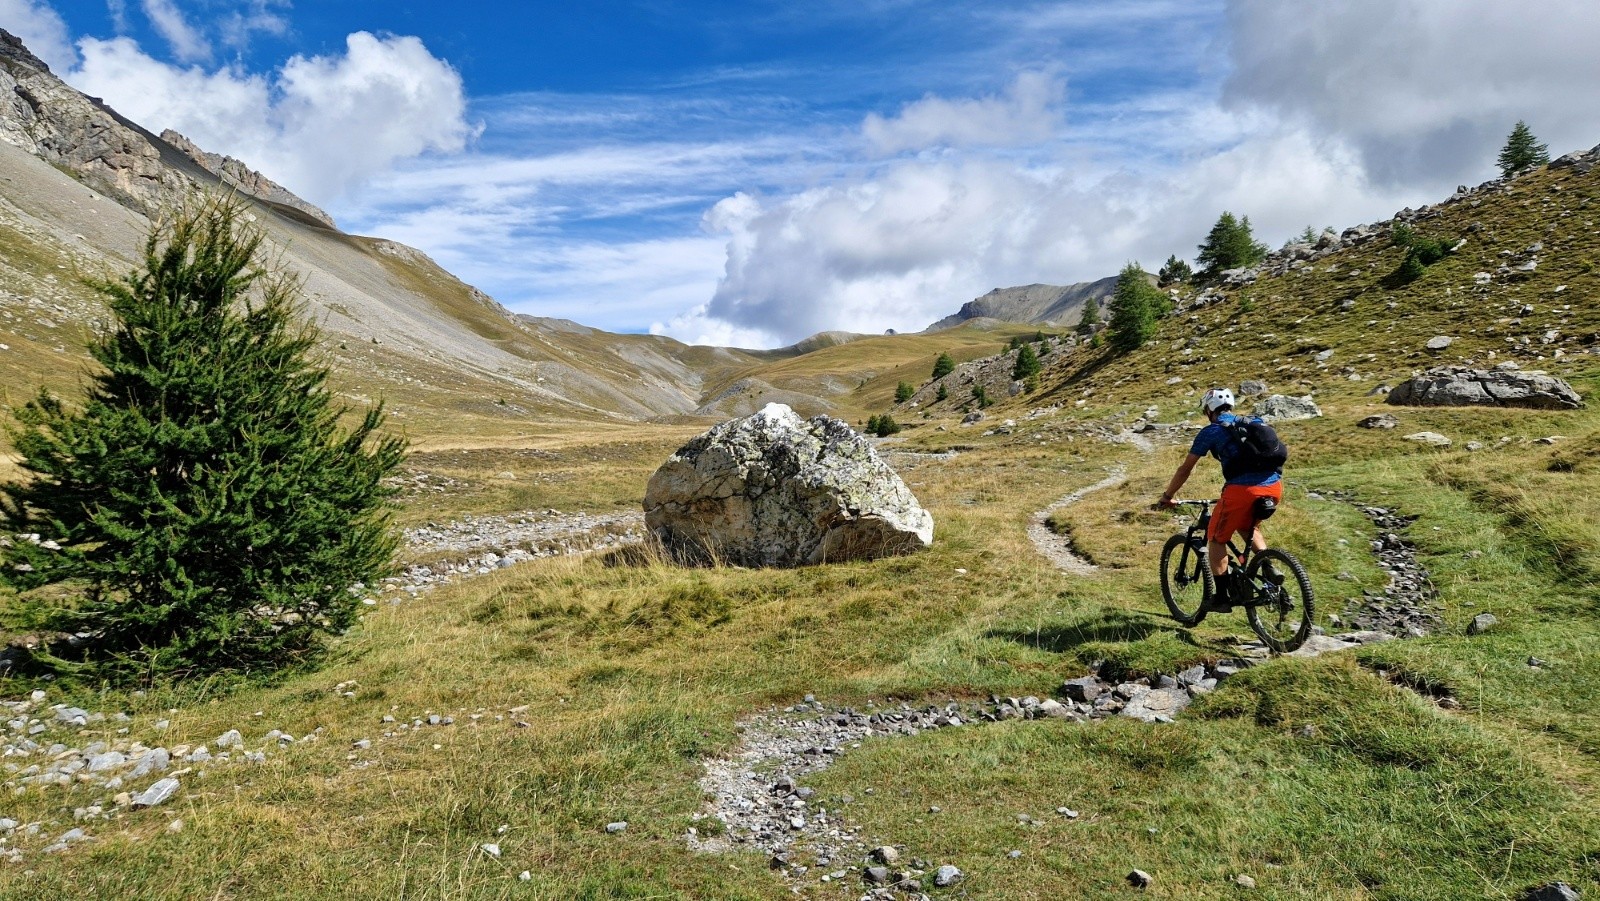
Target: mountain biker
x,y
1236,510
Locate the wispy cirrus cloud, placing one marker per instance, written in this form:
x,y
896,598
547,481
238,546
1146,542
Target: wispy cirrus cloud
x,y
187,41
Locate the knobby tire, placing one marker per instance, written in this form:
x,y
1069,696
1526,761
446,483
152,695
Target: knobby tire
x,y
1281,615
1179,559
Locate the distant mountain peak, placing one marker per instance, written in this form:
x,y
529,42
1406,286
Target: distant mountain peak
x,y
1037,304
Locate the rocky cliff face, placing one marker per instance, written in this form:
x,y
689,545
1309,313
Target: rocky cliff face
x,y
236,173
40,114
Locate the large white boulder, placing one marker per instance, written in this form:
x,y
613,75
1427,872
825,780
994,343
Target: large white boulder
x,y
772,489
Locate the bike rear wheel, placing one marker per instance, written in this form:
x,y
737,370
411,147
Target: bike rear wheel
x,y
1186,582
1280,614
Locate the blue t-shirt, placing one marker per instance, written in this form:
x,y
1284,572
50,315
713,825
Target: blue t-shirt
x,y
1215,440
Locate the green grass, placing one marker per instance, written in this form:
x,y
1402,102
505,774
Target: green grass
x,y
632,673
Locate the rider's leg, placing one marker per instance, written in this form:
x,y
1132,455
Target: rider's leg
x,y
1218,551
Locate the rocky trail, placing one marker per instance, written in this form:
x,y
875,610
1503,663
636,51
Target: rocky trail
x,y
478,545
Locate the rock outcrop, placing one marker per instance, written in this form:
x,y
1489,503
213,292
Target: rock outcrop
x,y
40,114
236,173
772,489
1459,386
46,117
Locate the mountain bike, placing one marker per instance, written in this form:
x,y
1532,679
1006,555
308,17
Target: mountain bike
x,y
1276,593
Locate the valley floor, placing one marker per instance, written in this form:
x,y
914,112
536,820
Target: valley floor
x,y
474,740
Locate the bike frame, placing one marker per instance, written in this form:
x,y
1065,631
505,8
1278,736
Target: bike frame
x,y
1196,535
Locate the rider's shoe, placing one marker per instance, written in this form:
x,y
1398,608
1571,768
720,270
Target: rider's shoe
x,y
1221,600
1271,574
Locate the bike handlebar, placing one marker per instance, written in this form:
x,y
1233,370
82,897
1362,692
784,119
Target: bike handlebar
x,y
1177,503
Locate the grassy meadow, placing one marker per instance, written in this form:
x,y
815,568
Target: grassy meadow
x,y
586,691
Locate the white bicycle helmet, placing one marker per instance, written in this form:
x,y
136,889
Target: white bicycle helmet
x,y
1216,399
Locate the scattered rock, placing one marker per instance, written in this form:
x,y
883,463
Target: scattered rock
x,y
1457,386
1433,438
617,827
1280,408
774,490
1439,342
1552,891
158,793
886,854
1140,879
1244,881
1381,421
1482,623
1252,388
947,876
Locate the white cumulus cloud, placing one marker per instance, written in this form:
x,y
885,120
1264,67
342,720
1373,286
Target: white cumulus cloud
x,y
319,125
1426,89
1026,113
41,29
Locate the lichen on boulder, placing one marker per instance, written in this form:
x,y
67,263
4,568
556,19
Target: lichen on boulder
x,y
772,489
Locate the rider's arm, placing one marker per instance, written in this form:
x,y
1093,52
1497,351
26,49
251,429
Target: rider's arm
x,y
1179,477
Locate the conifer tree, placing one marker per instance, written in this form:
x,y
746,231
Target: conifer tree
x,y
943,366
1229,245
1027,363
1091,316
943,392
201,509
1136,305
1522,151
904,392
1174,271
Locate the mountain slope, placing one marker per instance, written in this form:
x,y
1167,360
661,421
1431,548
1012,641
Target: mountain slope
x,y
1060,305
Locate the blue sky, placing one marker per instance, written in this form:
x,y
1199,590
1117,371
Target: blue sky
x,y
750,173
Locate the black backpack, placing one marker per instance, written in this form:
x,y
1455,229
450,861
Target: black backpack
x,y
1260,450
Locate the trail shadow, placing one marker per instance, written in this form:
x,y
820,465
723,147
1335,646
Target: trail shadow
x,y
1106,626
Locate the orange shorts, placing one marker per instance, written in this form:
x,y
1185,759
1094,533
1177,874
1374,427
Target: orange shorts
x,y
1234,511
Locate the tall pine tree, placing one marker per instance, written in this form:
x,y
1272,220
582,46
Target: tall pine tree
x,y
1136,305
201,509
943,366
1522,151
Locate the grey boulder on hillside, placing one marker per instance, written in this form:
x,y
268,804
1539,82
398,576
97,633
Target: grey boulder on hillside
x,y
1459,386
772,489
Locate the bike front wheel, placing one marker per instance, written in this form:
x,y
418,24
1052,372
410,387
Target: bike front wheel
x,y
1186,582
1281,608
